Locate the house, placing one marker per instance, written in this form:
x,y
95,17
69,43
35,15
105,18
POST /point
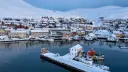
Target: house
x,y
76,51
66,35
18,33
118,34
44,21
0,22
39,32
4,32
56,33
89,28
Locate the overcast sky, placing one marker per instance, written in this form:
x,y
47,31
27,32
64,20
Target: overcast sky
x,y
64,5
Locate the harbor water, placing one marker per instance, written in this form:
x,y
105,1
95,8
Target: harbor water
x,y
25,56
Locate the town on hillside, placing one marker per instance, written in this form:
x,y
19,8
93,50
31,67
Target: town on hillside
x,y
53,28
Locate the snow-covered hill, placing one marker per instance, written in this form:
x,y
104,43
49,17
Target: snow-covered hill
x,y
19,8
110,12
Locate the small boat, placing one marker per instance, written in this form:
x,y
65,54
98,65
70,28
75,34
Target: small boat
x,y
43,38
76,38
4,38
124,47
112,38
102,34
15,39
44,50
33,39
51,39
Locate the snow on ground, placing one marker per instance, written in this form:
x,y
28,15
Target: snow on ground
x,y
67,60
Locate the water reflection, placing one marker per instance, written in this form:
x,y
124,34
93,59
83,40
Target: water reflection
x,y
21,52
29,44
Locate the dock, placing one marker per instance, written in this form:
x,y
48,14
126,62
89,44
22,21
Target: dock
x,y
68,63
61,64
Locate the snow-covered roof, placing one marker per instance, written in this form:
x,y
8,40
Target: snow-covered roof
x,y
18,31
36,30
103,32
97,24
113,35
78,46
91,34
45,30
117,32
40,30
125,32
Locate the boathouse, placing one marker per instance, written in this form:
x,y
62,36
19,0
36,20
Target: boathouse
x,y
76,51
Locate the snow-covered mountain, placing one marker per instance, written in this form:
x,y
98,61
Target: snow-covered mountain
x,y
109,12
19,8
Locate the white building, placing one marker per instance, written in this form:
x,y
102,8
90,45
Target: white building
x,y
76,50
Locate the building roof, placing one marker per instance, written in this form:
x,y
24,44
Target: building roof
x,y
41,30
18,31
65,32
92,34
78,46
36,30
103,32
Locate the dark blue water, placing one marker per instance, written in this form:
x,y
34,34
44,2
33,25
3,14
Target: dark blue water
x,y
25,56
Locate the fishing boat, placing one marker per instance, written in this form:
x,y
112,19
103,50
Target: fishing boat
x,y
76,38
102,34
90,37
4,38
45,38
112,38
77,60
124,47
15,39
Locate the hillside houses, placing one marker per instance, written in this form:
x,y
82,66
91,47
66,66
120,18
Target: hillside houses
x,y
58,27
